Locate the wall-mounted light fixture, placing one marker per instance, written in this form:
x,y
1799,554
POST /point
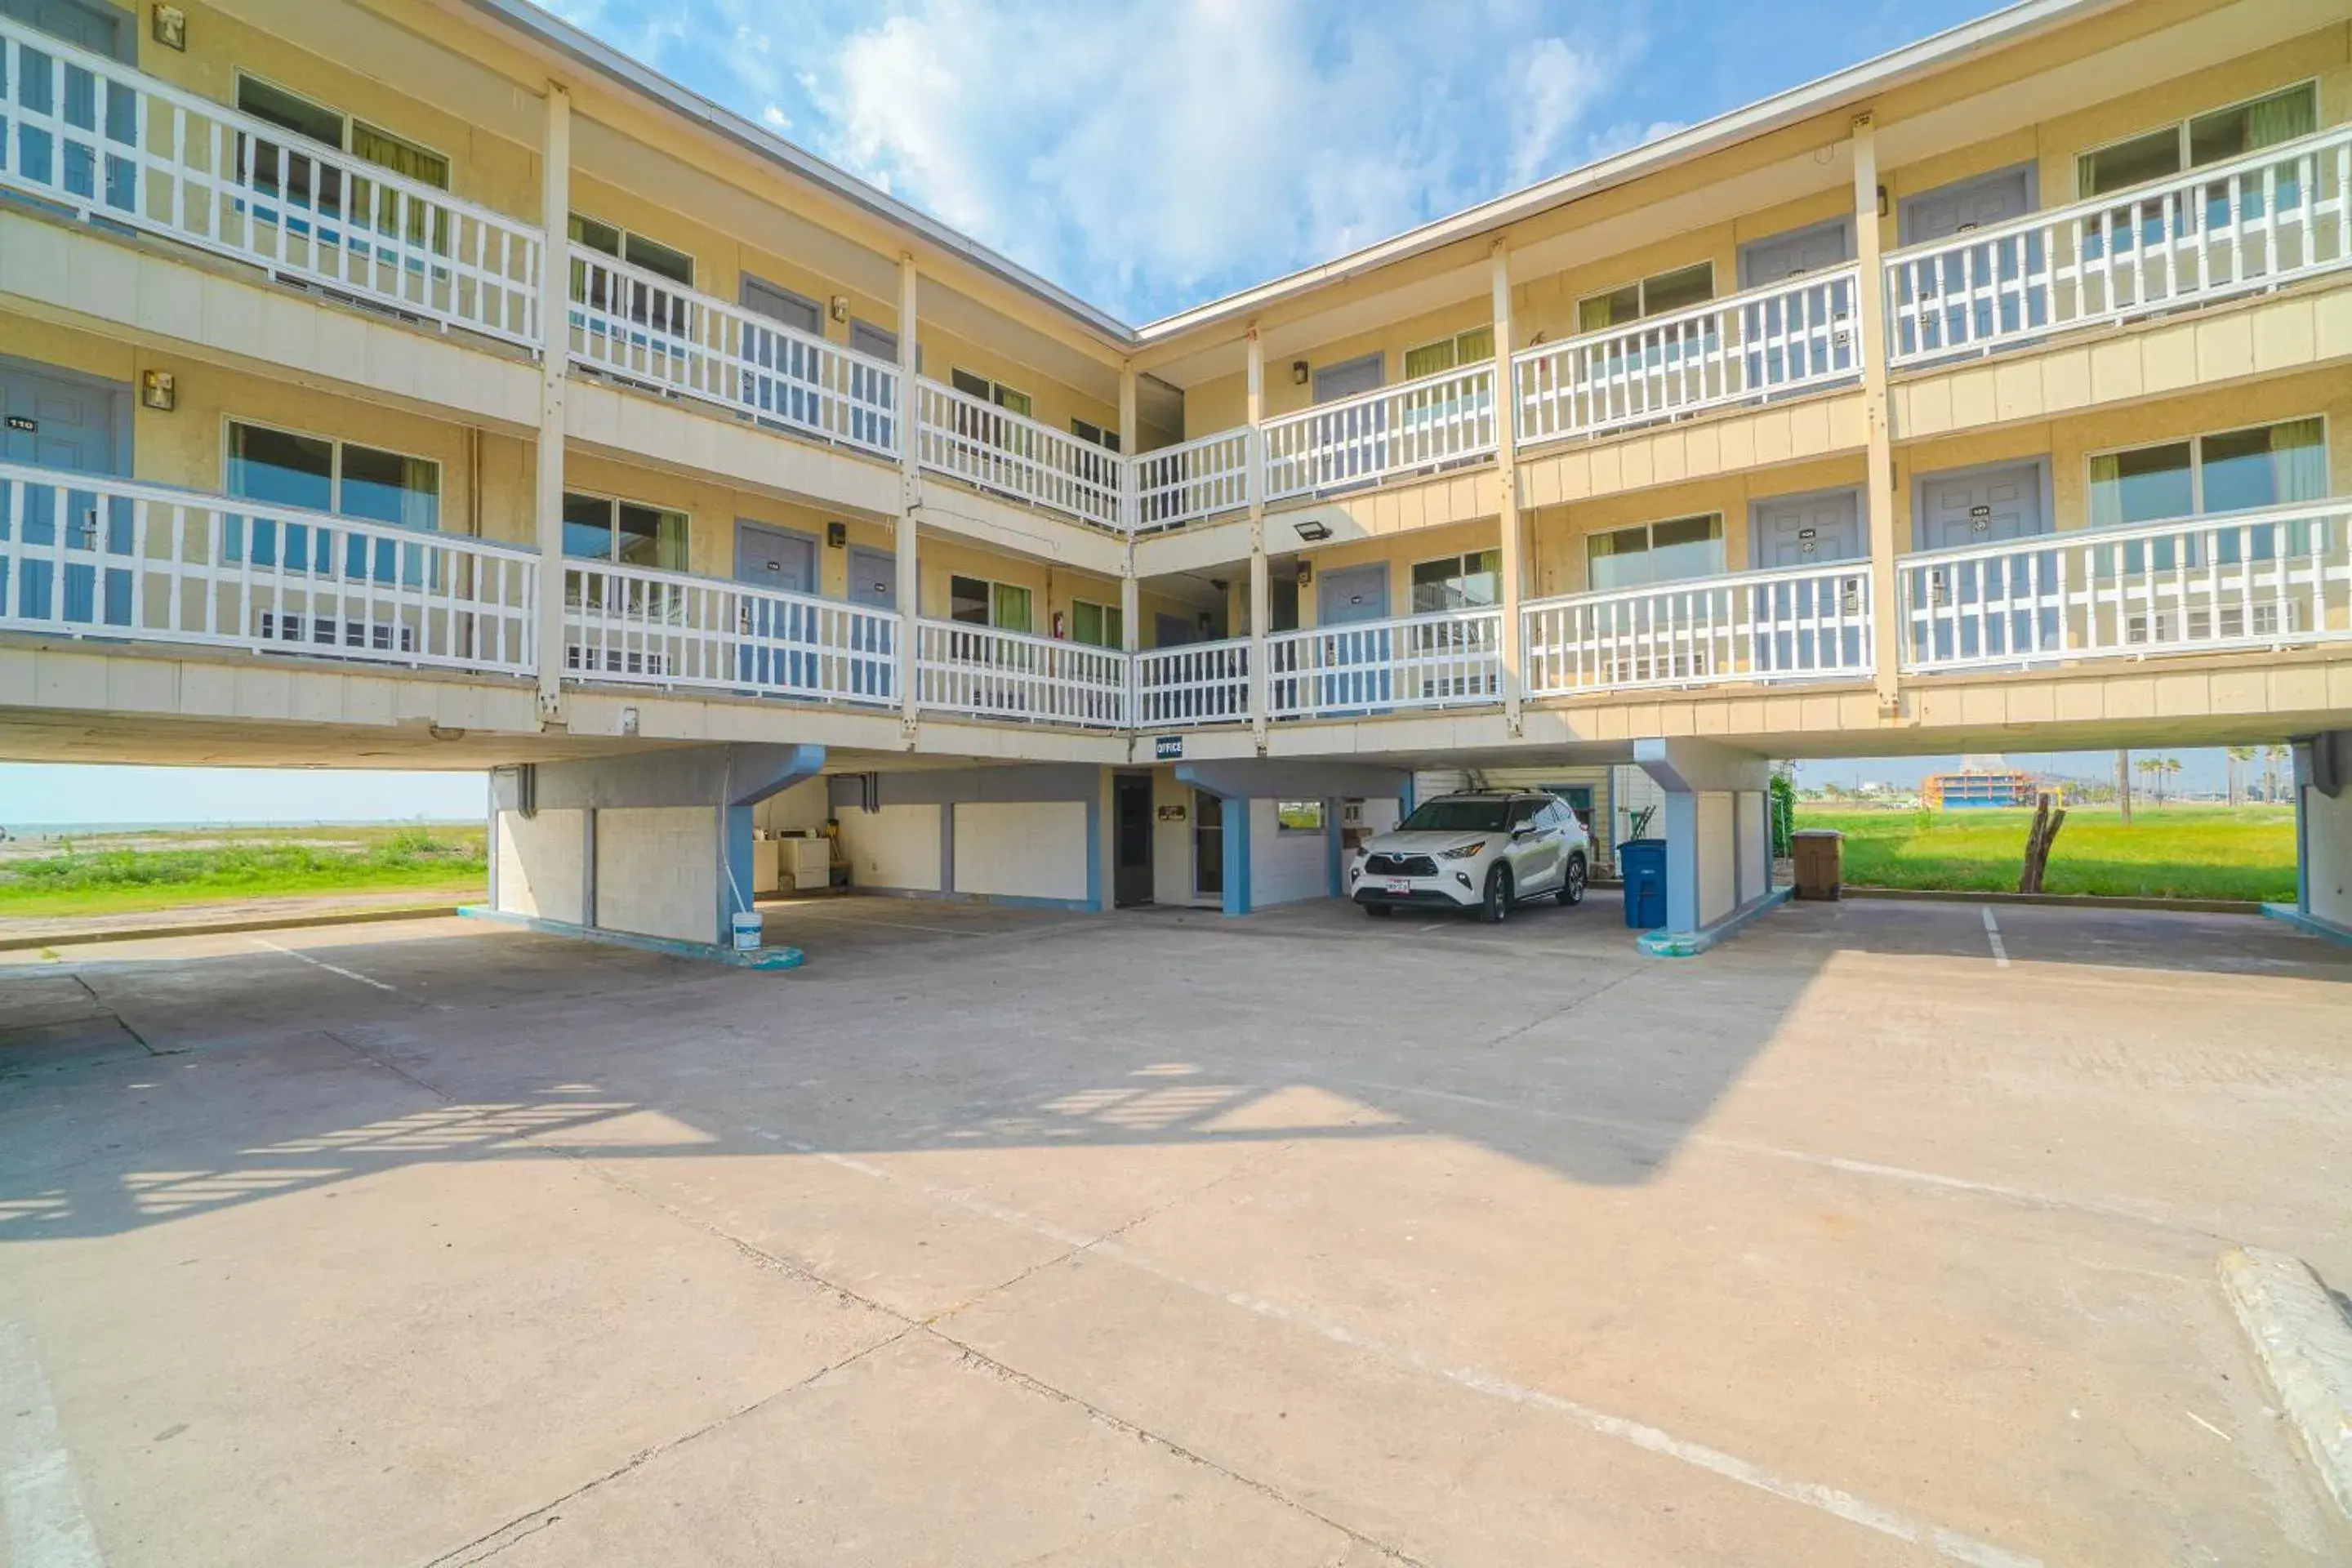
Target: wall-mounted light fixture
x,y
1881,201
1305,572
836,534
169,28
160,390
1298,372
1314,533
840,306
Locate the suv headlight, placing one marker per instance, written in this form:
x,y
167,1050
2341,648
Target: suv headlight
x,y
1462,851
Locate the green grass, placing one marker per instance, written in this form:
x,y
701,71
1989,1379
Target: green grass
x,y
2167,852
163,870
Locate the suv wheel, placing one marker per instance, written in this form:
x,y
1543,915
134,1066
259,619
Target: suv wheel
x,y
1498,901
1571,886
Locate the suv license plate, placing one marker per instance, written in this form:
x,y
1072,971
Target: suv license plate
x,y
1398,885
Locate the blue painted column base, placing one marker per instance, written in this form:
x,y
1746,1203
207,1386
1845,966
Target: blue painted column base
x,y
1691,944
704,952
2312,923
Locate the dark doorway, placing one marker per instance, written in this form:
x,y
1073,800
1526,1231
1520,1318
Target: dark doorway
x,y
1208,845
1131,869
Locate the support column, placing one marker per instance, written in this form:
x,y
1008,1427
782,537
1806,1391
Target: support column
x,y
2323,830
1716,843
1131,606
911,494
1261,592
1870,304
554,363
1507,480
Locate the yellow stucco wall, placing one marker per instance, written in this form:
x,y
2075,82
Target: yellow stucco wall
x,y
1544,306
1557,551
486,478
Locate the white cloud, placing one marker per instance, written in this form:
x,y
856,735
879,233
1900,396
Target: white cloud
x,y
1143,152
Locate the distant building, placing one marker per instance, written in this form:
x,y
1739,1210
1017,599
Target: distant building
x,y
1978,789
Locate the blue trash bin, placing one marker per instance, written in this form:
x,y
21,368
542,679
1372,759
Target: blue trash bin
x,y
1642,862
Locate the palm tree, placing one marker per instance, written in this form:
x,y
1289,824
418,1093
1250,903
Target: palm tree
x,y
2239,757
2272,757
2154,768
2172,767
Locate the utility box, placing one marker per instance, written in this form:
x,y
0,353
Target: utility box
x,y
1819,857
1642,862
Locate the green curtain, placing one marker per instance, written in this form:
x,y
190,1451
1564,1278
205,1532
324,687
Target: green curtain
x,y
2299,460
2107,489
2281,119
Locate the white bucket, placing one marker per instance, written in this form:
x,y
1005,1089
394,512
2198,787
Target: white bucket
x,y
747,931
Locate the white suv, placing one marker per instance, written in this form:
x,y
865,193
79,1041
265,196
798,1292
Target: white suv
x,y
1484,850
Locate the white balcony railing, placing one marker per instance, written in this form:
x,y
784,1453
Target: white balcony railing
x,y
105,141
1373,667
983,445
1803,624
1191,480
2253,222
643,327
1432,423
1783,338
2250,579
965,669
1192,683
89,557
664,628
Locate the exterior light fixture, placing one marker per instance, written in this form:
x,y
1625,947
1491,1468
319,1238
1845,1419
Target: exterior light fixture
x,y
836,534
1305,572
169,28
1314,533
160,390
1298,372
840,306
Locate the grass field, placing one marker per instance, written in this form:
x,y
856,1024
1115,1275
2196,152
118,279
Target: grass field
x,y
131,873
2167,852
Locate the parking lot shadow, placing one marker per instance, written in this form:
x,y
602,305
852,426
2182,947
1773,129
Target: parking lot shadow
x,y
142,1086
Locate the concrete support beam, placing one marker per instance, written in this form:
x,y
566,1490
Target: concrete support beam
x,y
554,363
1265,778
1719,844
2323,829
1288,865
654,843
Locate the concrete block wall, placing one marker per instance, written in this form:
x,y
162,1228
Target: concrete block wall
x,y
657,872
896,848
543,865
1022,849
1285,868
2327,855
1718,887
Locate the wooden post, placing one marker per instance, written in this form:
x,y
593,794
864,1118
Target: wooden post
x,y
1869,305
554,366
1261,592
1506,479
911,494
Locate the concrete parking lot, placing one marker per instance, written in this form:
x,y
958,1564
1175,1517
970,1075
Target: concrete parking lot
x,y
1882,1234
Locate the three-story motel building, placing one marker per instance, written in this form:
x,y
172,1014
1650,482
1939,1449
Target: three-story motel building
x,y
422,383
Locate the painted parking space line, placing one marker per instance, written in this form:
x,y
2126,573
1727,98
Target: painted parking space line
x,y
1952,1545
322,963
1993,935
40,1497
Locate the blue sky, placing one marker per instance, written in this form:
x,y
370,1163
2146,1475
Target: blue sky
x,y
1150,156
